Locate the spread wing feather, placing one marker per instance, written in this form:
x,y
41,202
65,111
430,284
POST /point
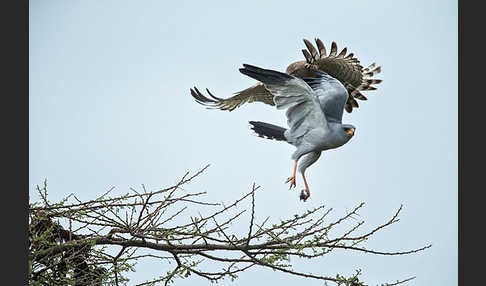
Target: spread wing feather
x,y
304,112
256,93
345,68
331,93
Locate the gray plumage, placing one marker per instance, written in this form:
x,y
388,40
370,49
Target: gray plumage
x,y
314,109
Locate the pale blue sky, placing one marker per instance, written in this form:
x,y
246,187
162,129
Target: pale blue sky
x,y
109,105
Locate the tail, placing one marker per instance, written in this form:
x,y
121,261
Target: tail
x,y
268,131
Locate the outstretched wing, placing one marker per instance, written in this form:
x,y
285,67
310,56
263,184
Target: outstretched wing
x,y
331,93
345,68
256,93
304,111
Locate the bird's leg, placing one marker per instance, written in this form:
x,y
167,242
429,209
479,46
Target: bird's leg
x,y
292,178
305,194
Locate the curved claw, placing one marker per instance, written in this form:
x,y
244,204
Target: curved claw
x,y
292,178
304,194
292,182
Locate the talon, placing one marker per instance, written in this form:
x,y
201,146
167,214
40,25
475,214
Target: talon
x,y
304,194
292,182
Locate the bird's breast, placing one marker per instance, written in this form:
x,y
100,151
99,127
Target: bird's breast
x,y
324,139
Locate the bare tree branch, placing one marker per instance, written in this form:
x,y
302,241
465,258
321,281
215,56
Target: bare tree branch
x,y
95,242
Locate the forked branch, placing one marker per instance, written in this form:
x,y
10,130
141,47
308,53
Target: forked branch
x,y
98,241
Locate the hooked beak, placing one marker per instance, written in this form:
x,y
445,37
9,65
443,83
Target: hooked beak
x,y
350,131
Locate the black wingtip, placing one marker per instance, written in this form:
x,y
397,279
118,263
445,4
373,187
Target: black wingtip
x,y
255,68
248,66
265,76
201,99
213,96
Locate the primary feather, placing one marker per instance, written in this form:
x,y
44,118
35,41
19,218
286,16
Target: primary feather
x,y
344,68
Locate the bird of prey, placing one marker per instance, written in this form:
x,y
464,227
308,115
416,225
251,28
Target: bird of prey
x,y
315,93
342,66
315,107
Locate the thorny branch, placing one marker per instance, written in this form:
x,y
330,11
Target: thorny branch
x,y
104,237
